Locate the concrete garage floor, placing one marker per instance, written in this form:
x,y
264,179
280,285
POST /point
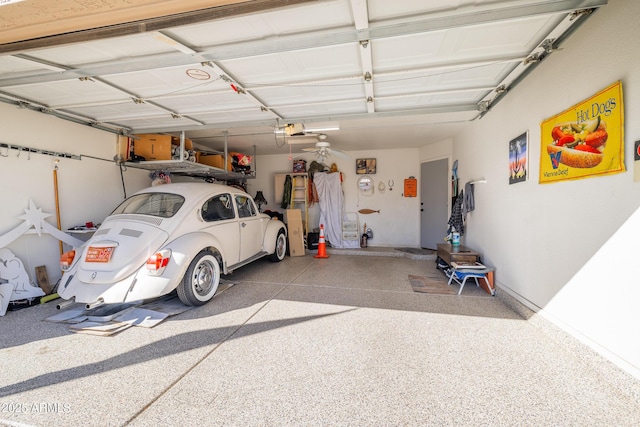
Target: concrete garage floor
x,y
315,342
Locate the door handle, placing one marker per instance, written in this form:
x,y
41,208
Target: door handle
x,y
244,224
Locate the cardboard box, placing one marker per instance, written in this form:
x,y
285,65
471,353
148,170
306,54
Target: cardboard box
x,y
124,147
188,144
295,230
214,160
152,146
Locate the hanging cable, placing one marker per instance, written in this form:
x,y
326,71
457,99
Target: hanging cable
x,y
122,169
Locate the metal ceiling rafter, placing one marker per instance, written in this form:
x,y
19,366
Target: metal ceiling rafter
x,y
136,99
219,12
173,42
526,66
22,102
361,20
478,15
40,63
131,118
329,118
440,21
238,88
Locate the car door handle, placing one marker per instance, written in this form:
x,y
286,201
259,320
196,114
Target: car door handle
x,y
244,224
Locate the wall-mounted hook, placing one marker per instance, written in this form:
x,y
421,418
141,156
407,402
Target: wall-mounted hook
x,y
8,147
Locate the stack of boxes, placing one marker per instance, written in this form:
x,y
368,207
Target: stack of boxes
x,y
158,147
154,147
214,160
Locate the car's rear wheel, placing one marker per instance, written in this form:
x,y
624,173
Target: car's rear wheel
x,y
281,247
201,280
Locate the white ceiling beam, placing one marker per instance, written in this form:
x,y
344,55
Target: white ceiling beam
x,y
40,63
423,24
238,88
367,75
361,21
459,108
164,38
526,65
360,14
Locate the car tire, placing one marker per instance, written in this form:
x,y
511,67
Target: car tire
x,y
280,250
200,282
281,247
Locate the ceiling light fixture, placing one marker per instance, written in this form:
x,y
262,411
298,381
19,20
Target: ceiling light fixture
x,y
300,129
323,128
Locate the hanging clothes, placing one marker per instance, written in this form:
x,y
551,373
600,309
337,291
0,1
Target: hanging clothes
x,y
468,204
312,193
286,194
331,202
455,221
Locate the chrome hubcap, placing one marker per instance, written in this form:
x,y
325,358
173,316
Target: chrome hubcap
x,y
202,279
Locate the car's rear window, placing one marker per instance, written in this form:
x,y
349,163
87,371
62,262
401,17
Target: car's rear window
x,y
164,205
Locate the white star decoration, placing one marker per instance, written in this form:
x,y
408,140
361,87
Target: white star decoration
x,y
34,216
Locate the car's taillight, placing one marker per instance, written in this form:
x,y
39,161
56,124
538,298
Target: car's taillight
x,y
158,262
66,259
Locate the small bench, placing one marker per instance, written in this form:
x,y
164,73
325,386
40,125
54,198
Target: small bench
x,y
460,273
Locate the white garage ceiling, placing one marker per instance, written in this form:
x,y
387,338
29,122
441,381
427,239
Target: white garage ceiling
x,y
402,73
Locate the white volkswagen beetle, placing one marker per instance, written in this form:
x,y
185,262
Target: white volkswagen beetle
x,y
175,236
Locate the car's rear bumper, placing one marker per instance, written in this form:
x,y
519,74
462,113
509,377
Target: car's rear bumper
x,y
138,286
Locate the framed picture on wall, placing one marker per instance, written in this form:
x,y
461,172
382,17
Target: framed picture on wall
x,y
518,158
585,140
365,166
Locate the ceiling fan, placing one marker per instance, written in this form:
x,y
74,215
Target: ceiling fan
x,y
323,150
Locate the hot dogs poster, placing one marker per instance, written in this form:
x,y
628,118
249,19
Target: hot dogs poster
x,y
586,140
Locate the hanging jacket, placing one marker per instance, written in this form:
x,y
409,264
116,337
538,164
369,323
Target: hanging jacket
x,y
455,220
286,194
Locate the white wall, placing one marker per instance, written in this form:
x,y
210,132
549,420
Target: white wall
x,y
565,248
88,189
397,224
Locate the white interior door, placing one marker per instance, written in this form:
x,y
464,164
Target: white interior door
x,y
433,202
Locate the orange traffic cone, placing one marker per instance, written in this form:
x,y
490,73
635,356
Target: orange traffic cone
x,y
322,248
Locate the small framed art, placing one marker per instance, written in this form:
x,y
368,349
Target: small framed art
x,y
365,166
518,158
